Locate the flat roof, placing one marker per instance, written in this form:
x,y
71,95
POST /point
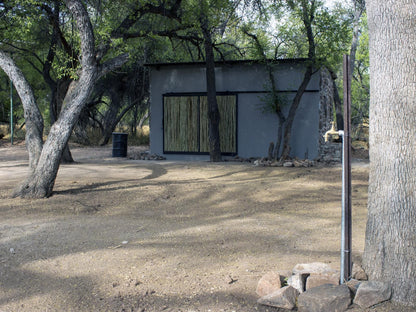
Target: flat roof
x,y
229,62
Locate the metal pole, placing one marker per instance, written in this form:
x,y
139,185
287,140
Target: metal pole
x,y
346,228
342,266
11,111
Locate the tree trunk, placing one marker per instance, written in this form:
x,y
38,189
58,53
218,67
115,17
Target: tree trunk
x,y
339,115
308,13
61,89
359,8
111,118
42,179
44,161
58,88
33,117
58,91
390,245
142,120
279,138
292,112
40,183
213,112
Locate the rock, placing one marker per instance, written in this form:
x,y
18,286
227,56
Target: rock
x,y
314,267
372,293
288,164
325,298
298,281
269,283
358,273
318,279
353,285
284,298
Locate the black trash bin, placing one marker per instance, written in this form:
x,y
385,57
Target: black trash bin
x,y
119,144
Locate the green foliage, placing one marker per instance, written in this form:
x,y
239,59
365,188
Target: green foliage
x,y
360,85
27,33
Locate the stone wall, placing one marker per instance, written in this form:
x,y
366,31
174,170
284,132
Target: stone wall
x,y
328,151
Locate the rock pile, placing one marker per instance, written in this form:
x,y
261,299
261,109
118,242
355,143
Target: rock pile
x,y
266,162
145,156
314,287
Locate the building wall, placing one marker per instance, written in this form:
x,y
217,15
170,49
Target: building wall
x,y
256,128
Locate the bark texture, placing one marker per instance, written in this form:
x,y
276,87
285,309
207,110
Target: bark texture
x,y
42,179
213,111
33,117
308,13
390,247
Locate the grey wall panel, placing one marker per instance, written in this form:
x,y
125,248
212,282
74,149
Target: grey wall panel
x,y
255,129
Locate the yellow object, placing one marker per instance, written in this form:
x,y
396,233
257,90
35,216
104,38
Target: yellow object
x,y
334,133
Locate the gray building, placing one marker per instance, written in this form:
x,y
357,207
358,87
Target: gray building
x,y
178,107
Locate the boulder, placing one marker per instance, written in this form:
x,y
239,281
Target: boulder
x,y
284,298
269,283
353,285
318,279
358,273
298,281
325,298
314,267
372,293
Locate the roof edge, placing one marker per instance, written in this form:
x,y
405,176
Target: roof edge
x,y
229,62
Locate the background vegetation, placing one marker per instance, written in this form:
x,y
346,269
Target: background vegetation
x,y
41,37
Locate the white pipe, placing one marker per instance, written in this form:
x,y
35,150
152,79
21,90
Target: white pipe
x,y
341,134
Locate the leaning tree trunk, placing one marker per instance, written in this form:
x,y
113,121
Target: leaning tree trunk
x,y
41,181
390,245
33,117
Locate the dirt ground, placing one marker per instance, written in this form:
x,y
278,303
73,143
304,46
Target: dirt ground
x,y
133,235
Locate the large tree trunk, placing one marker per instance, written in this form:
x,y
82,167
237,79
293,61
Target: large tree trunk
x,y
213,111
390,246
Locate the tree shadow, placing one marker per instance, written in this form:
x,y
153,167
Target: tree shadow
x,y
163,226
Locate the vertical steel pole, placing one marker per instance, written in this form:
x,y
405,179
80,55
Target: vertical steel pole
x,y
11,111
347,227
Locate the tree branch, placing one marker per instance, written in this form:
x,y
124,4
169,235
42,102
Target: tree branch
x,y
112,64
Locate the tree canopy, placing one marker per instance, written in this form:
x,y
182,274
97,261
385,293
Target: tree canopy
x,y
56,45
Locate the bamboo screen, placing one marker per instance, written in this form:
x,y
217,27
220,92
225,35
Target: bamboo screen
x,y
227,107
181,124
181,120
